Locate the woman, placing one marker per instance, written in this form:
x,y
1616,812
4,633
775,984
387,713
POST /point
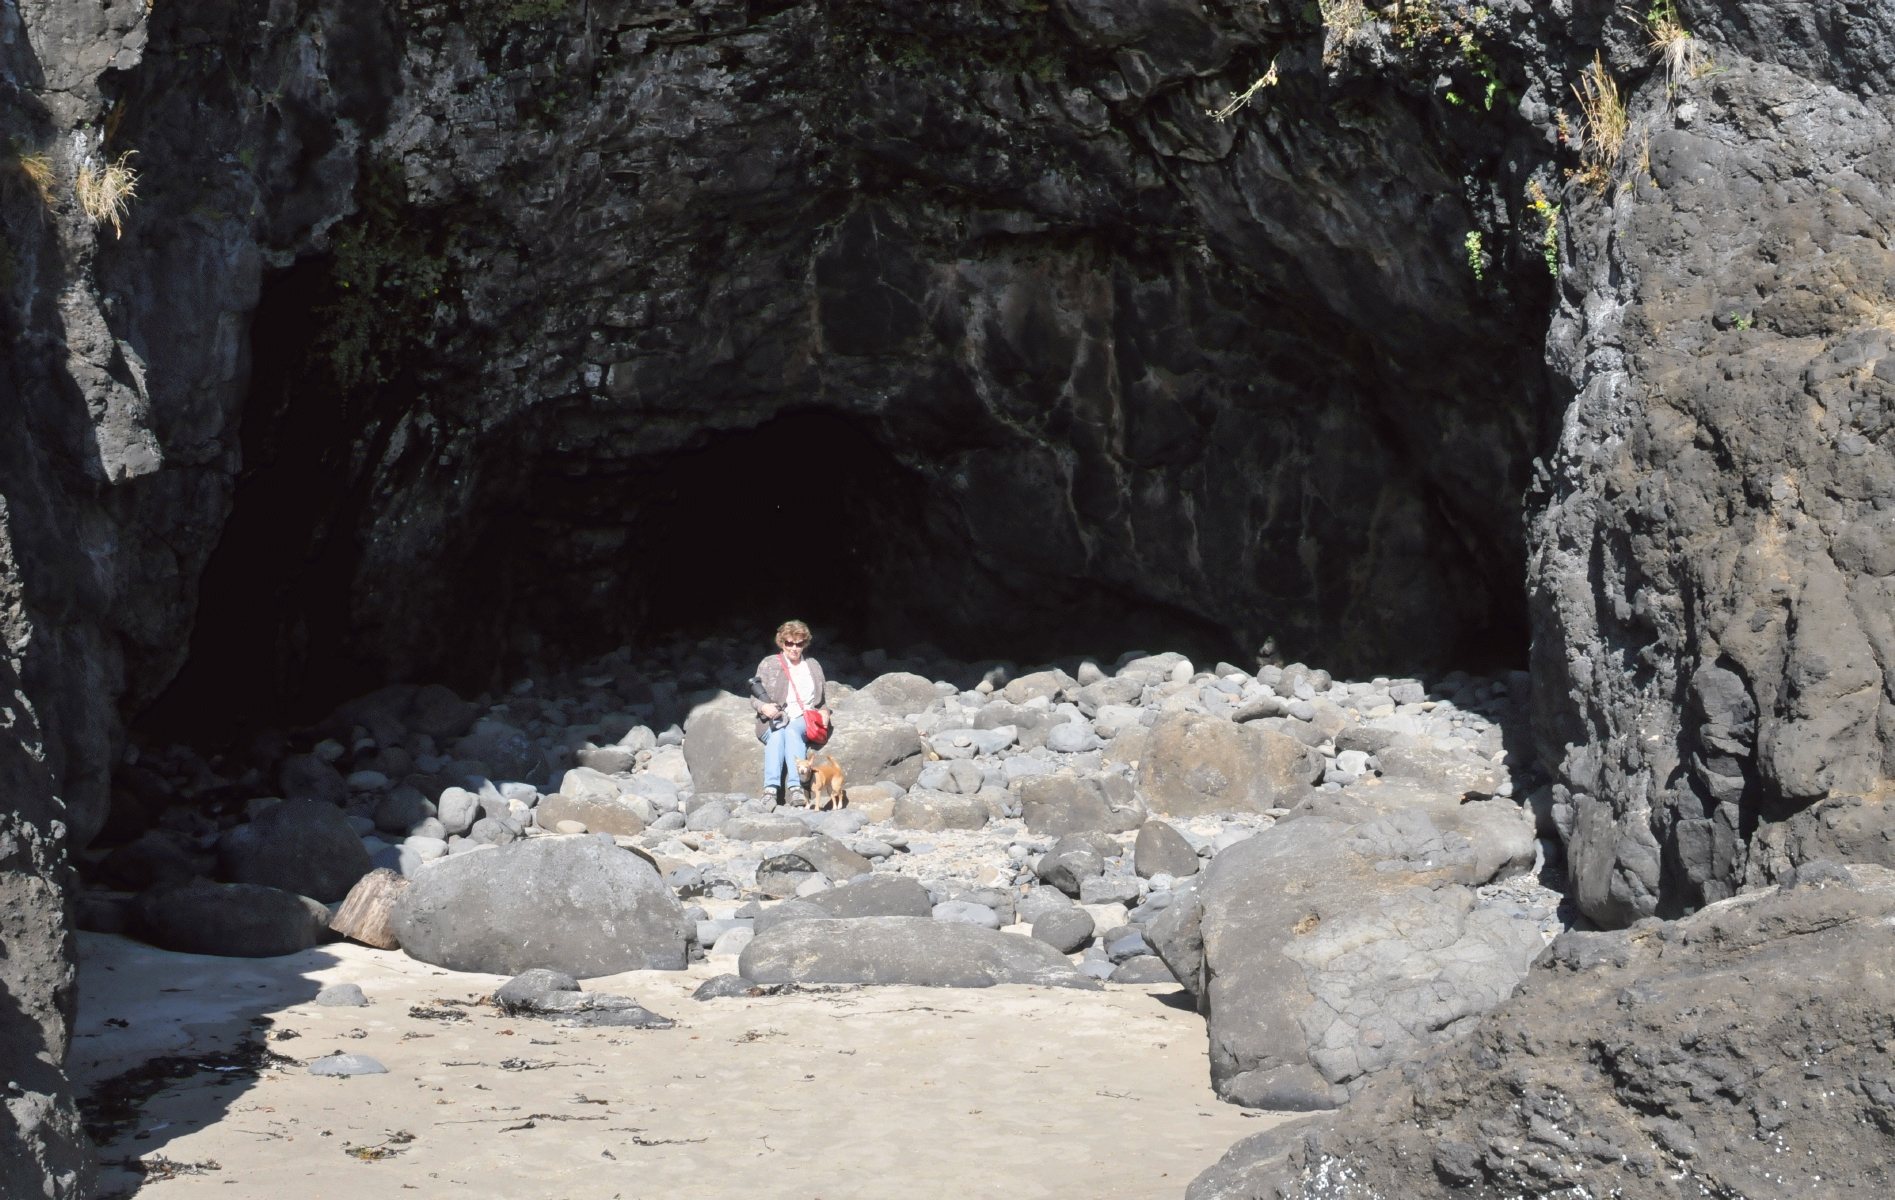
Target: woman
x,y
794,686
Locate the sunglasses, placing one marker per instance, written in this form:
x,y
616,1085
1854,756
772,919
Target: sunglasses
x,y
799,645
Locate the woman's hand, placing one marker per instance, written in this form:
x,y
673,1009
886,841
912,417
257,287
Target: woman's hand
x,y
771,712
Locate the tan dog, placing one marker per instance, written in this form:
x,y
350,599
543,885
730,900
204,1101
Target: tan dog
x,y
820,781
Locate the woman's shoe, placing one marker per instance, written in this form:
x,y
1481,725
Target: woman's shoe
x,y
796,798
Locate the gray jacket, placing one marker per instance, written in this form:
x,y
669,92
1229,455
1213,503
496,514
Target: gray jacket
x,y
776,685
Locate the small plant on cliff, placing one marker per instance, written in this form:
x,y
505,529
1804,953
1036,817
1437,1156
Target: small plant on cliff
x,y
1237,102
33,169
1476,260
1682,54
1416,21
1548,213
1341,18
1605,120
388,280
105,191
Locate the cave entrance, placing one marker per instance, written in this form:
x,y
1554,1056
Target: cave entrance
x,y
803,515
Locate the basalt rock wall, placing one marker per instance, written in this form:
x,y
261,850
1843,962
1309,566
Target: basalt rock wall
x,y
1710,575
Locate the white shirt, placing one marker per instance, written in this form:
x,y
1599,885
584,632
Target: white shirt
x,y
801,684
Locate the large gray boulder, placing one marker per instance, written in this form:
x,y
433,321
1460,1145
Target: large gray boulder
x,y
302,846
576,905
897,693
235,920
721,747
1602,1071
616,813
1056,805
903,950
1327,948
876,896
871,745
1195,764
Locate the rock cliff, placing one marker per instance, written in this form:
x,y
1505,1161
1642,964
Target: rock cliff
x,y
441,340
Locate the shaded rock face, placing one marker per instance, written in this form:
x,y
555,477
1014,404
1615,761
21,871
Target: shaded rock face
x,y
1045,330
1735,1052
1709,583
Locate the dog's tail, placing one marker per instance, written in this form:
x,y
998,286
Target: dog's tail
x,y
833,762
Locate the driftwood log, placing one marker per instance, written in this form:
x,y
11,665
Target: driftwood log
x,y
364,912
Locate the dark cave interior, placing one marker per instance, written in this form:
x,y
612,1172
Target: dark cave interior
x,y
807,513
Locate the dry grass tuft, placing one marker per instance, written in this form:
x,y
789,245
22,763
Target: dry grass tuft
x,y
1682,55
37,171
1605,123
1341,18
106,191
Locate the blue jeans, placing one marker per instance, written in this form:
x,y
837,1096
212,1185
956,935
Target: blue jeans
x,y
780,753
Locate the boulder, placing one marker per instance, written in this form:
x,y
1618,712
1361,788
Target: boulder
x,y
507,751
783,874
966,912
708,817
940,810
234,920
1067,930
876,896
721,749
457,810
1601,1068
530,985
898,694
577,905
791,910
1056,805
667,763
157,857
1070,862
659,791
871,745
916,951
619,813
766,828
1195,764
1278,937
607,759
1072,737
301,846
1040,901
1162,850
586,783
1143,969
1047,684
402,810
875,802
306,777
439,713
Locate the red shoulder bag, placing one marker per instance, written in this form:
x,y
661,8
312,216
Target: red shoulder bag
x,y
815,725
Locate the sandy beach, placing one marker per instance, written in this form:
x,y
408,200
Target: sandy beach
x,y
872,1092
